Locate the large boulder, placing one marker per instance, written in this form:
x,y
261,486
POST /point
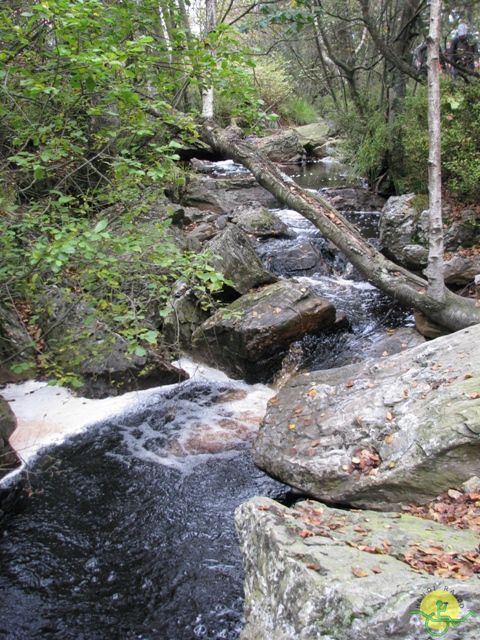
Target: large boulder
x,y
94,354
461,269
223,195
233,255
260,222
247,339
282,146
313,137
380,433
302,257
316,573
404,231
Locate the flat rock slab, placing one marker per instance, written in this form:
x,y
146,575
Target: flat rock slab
x,y
315,573
247,338
383,432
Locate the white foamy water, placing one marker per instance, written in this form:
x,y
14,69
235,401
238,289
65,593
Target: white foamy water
x,y
47,415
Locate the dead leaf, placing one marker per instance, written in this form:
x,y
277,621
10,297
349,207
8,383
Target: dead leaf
x,y
359,573
388,439
306,533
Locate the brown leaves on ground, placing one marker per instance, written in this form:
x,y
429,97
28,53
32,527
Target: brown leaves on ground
x,y
446,564
457,509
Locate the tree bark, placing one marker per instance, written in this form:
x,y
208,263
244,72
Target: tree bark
x,y
434,272
453,312
207,94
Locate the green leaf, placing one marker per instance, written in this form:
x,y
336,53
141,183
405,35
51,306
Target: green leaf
x,y
100,226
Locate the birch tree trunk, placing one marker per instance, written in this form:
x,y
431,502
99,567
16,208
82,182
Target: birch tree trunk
x,y
207,94
434,271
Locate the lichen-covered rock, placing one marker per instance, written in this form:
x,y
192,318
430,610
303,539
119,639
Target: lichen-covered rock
x,y
315,573
259,221
380,433
247,339
233,255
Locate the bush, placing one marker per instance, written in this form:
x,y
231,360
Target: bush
x,y
300,111
460,140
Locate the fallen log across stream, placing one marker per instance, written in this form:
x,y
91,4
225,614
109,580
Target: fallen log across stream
x,y
454,312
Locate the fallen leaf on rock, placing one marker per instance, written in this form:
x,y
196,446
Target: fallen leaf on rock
x,y
314,567
376,569
475,395
388,439
387,545
306,533
389,416
349,384
359,573
263,507
312,393
361,530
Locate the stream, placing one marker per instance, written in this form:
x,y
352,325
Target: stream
x,y
125,529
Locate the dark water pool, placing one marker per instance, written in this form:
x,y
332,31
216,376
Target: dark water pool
x,y
106,544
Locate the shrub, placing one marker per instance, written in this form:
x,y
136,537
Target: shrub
x,y
460,140
300,111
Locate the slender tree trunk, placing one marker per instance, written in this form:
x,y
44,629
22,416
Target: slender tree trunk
x,y
453,312
207,94
434,272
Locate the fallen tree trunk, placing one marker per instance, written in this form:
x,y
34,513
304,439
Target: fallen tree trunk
x,y
454,312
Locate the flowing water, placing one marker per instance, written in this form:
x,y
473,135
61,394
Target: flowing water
x,y
125,530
